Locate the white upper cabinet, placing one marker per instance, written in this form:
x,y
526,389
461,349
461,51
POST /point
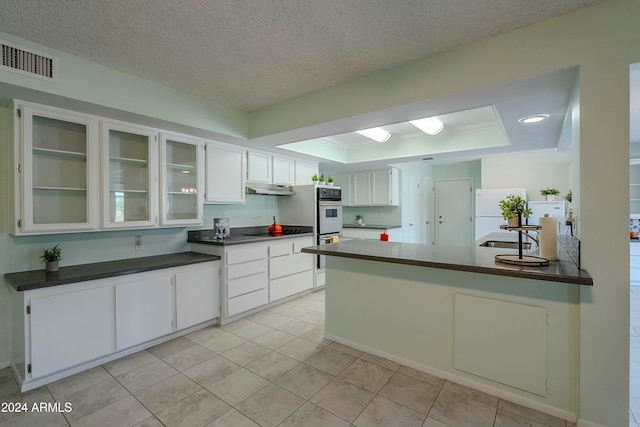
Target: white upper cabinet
x,y
304,170
384,187
57,170
282,170
345,182
181,179
362,188
225,169
370,188
129,176
259,167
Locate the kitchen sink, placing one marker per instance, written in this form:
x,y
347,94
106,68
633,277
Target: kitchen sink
x,y
505,244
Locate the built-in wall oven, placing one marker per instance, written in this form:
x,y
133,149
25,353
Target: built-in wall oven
x,y
329,201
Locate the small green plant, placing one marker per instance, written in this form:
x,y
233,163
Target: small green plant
x,y
549,192
359,217
321,179
569,196
52,254
330,179
314,178
514,206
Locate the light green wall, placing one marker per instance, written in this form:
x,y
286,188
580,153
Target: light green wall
x,y
258,210
459,170
534,171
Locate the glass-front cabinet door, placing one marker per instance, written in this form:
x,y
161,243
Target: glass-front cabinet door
x,y
181,179
129,176
59,170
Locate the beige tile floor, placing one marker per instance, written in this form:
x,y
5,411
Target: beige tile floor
x,y
273,368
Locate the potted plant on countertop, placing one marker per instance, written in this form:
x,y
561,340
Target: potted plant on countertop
x,y
330,180
51,256
569,196
321,180
513,208
550,193
359,218
314,178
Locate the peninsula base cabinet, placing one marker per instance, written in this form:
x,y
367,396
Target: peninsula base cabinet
x,y
61,330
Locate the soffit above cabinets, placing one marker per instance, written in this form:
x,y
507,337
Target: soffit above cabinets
x,y
478,123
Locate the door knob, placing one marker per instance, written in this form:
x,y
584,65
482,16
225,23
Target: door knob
x,y
440,222
426,222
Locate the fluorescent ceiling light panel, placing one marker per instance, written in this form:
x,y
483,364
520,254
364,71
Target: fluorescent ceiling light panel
x,y
429,125
377,134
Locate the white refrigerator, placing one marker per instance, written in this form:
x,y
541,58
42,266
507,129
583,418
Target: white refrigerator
x,y
488,212
554,209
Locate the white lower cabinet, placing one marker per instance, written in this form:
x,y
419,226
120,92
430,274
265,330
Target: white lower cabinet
x,y
147,304
256,274
197,294
69,328
246,277
395,234
290,271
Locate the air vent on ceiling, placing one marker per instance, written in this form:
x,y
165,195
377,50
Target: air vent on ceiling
x,y
28,62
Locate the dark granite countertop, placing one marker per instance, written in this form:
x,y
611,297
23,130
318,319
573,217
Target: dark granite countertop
x,y
36,279
243,235
371,226
469,258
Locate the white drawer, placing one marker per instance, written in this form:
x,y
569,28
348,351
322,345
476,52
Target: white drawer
x,y
246,284
246,269
280,249
290,285
298,244
284,266
244,253
247,302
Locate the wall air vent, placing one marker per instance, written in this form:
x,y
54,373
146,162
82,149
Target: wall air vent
x,y
28,62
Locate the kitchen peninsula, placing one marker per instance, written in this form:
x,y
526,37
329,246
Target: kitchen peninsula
x,y
456,313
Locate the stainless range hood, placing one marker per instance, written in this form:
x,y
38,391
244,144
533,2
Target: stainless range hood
x,y
270,189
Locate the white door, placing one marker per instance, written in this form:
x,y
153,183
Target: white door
x,y
413,217
454,216
144,310
428,192
70,328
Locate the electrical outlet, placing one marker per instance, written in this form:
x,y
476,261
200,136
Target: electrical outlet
x,y
138,243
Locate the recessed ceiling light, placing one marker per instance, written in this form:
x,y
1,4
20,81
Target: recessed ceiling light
x,y
429,125
534,119
377,134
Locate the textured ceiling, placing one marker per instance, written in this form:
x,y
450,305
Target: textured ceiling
x,y
250,54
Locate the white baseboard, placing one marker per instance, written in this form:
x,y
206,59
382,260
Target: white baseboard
x,y
4,365
31,384
503,394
